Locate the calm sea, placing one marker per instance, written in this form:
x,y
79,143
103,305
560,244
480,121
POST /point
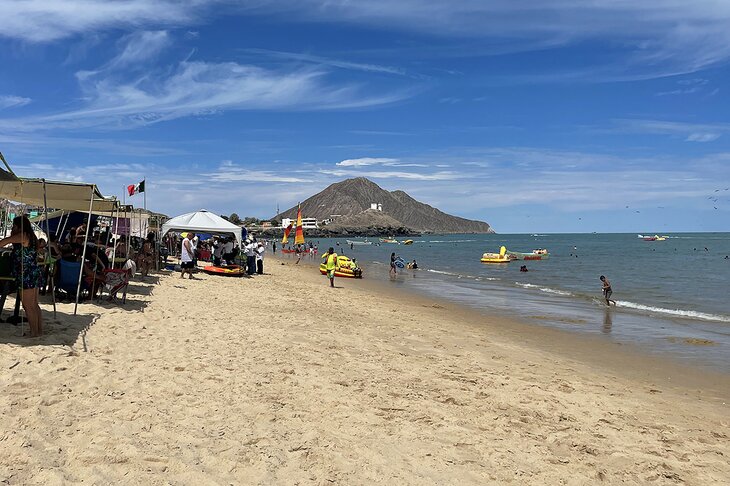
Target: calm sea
x,y
672,295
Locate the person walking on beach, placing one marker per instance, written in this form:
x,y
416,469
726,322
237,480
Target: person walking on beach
x,y
187,256
330,263
607,290
393,268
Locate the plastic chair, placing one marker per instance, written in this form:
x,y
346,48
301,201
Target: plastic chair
x,y
116,280
68,278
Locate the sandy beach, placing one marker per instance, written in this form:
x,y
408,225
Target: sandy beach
x,y
279,379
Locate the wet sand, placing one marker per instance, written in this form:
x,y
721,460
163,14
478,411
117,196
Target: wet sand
x,y
281,380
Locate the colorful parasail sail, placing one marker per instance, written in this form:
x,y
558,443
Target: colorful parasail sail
x,y
299,235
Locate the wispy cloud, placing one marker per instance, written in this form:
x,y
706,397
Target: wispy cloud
x,y
9,101
230,172
130,90
365,161
690,132
48,20
325,61
383,174
658,37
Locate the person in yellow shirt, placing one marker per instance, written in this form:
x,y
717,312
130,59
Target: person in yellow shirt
x,y
330,259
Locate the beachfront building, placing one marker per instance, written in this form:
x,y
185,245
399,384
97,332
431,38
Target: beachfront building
x,y
307,223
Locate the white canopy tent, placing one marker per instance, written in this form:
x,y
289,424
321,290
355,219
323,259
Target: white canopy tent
x,y
202,221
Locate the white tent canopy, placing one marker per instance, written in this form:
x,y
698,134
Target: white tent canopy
x,y
204,222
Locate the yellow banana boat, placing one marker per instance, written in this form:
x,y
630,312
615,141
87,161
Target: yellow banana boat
x,y
500,257
345,268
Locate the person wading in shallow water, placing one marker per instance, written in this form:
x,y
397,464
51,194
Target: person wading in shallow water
x,y
607,291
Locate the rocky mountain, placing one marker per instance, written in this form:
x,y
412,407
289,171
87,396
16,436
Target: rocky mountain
x,y
350,201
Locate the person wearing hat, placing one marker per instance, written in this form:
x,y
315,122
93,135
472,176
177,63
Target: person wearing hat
x,y
250,257
187,256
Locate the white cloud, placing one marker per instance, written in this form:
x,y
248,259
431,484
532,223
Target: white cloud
x,y
702,137
324,61
48,20
691,132
194,88
436,176
9,101
365,161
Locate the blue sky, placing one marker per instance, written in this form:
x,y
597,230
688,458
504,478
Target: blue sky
x,y
552,116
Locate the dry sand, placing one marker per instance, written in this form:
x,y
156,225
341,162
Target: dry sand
x,y
280,380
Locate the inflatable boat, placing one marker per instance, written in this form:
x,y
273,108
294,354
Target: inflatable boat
x,y
345,268
229,271
500,257
539,254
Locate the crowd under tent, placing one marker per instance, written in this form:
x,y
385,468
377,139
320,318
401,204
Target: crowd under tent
x,y
70,196
125,221
203,221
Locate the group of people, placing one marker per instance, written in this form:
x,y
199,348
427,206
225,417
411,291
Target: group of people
x,y
224,252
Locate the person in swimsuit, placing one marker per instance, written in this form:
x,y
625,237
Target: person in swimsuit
x,y
393,268
26,270
607,290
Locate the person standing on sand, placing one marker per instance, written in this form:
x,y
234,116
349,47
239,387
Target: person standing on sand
x,y
187,256
607,290
330,264
26,271
260,250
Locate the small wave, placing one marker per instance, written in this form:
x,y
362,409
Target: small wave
x,y
443,273
674,312
542,289
445,241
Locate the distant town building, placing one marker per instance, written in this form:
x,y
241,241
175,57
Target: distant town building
x,y
266,224
376,206
307,223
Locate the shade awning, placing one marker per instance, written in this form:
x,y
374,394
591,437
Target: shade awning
x,y
70,196
202,221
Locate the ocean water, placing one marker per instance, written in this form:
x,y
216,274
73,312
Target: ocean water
x,y
672,295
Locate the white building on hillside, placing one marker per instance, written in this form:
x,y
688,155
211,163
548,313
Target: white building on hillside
x,y
376,206
307,223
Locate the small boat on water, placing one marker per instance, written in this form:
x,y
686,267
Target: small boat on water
x,y
500,257
653,238
408,242
344,268
538,254
357,242
389,240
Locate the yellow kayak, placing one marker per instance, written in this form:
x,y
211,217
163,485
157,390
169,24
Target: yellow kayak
x,y
408,242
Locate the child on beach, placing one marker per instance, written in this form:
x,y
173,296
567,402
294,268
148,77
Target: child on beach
x,y
607,290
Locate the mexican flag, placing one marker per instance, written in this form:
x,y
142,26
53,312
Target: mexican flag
x,y
135,188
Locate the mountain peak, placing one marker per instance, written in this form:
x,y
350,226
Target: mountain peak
x,y
354,196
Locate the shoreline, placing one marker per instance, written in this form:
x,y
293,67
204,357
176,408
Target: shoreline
x,y
278,379
626,360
